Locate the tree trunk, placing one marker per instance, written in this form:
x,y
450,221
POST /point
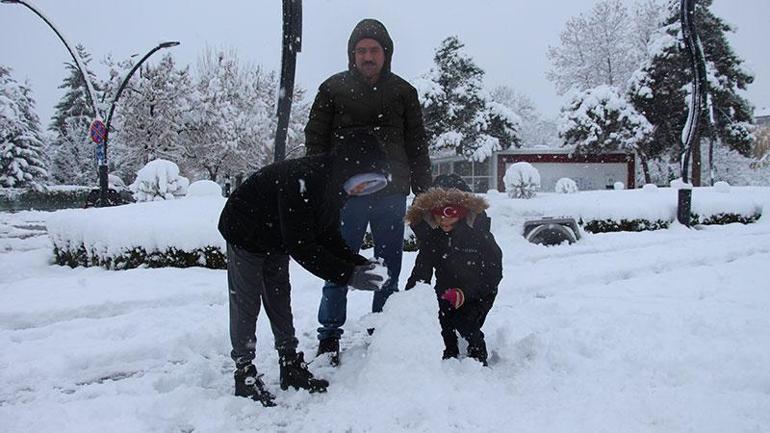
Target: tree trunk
x,y
645,168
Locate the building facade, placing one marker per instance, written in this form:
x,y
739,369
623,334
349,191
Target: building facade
x,y
590,172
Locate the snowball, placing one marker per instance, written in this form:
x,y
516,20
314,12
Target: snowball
x,y
618,186
204,188
650,187
722,187
566,185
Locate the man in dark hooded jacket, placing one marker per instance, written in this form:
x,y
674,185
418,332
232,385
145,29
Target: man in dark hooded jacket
x,y
368,96
291,208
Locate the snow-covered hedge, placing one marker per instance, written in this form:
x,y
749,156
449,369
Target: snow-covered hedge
x,y
183,232
50,198
176,233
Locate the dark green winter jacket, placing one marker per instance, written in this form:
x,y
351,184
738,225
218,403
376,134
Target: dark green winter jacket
x,y
389,109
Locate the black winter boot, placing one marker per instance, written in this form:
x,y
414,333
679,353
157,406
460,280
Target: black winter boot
x,y
450,352
478,353
332,347
450,346
294,373
249,384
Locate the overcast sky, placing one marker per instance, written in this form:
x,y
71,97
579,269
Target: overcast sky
x,y
507,38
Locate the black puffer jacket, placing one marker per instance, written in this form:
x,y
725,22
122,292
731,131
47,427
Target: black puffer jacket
x,y
292,207
467,257
389,109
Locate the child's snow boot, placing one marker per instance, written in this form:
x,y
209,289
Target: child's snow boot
x,y
294,373
478,353
332,347
249,384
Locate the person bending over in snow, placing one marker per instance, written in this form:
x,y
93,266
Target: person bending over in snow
x,y
292,208
467,262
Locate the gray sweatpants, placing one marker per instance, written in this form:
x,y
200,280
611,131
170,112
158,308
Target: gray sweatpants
x,y
254,280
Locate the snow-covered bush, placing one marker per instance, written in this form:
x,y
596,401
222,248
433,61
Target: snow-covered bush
x,y
159,180
722,186
521,180
204,188
566,185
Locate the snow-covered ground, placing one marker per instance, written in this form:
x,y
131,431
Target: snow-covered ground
x,y
663,331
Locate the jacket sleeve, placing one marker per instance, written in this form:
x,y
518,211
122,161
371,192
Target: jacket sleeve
x,y
425,261
303,242
416,145
492,265
318,131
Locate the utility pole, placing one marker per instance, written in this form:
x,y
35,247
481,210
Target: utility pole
x,y
292,44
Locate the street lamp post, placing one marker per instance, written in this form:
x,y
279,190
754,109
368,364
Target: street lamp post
x,y
103,169
690,134
73,53
292,44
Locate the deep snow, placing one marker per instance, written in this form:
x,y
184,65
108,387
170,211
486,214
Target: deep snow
x,y
662,331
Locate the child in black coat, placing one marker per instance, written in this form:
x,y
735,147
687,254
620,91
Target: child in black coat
x,y
466,259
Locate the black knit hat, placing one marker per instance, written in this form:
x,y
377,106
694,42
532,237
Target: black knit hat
x,y
451,180
370,29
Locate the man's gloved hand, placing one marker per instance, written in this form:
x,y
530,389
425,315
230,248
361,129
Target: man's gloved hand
x,y
363,278
454,296
410,283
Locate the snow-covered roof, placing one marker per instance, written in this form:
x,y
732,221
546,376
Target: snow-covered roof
x,y
762,112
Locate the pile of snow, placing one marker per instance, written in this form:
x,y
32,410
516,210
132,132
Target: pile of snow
x,y
159,180
204,188
521,180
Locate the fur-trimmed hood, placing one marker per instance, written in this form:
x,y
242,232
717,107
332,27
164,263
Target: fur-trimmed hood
x,y
439,197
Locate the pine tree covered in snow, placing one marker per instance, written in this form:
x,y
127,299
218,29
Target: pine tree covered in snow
x,y
659,88
600,120
151,116
459,117
22,160
72,152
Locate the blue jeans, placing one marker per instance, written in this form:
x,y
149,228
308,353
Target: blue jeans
x,y
385,215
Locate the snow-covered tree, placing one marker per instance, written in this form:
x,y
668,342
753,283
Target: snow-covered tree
x,y
460,118
22,160
151,116
595,49
232,129
659,88
71,151
535,130
600,120
522,180
159,180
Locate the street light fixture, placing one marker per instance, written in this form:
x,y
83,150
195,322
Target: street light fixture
x,y
103,178
78,62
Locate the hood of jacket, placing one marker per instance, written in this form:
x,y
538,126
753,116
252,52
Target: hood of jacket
x,y
439,197
371,29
